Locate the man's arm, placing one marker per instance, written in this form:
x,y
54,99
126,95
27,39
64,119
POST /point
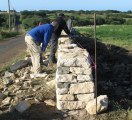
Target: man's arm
x,y
46,40
66,28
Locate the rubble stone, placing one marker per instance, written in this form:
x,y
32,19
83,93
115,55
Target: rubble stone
x,y
22,106
102,105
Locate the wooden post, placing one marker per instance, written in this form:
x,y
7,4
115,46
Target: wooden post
x,y
95,60
9,15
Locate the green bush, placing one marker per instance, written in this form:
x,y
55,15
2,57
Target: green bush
x,y
7,34
129,22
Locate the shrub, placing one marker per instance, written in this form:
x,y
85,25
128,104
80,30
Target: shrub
x,y
5,34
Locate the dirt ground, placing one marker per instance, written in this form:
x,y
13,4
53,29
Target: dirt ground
x,y
10,48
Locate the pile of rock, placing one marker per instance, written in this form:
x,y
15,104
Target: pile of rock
x,y
19,88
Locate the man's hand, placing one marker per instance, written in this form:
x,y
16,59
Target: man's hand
x,y
70,36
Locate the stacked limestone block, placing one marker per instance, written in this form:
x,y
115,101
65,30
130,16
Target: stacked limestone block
x,y
74,80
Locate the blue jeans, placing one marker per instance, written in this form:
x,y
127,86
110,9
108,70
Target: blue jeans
x,y
54,45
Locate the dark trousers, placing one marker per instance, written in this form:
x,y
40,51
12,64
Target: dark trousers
x,y
54,45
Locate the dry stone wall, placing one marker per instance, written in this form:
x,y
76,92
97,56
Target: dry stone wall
x,y
74,79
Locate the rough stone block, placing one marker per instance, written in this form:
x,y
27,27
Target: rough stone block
x,y
102,104
61,91
63,85
68,46
83,62
66,78
64,41
63,70
18,65
9,75
67,62
70,105
86,87
66,97
84,78
22,106
73,59
85,97
81,71
6,101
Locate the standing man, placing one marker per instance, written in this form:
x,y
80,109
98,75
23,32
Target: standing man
x,y
56,35
34,38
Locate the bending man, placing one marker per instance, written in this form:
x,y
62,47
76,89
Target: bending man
x,y
34,38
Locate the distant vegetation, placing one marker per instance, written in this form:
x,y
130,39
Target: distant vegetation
x,y
29,19
4,24
119,35
80,18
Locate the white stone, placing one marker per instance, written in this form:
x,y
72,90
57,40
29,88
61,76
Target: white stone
x,y
83,61
9,74
81,71
61,91
85,97
64,41
51,83
25,76
73,59
63,70
22,106
66,78
86,87
66,97
68,51
67,62
70,105
50,102
102,105
7,81
38,75
6,101
83,78
69,46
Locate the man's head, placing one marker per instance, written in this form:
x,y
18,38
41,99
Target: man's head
x,y
55,25
61,15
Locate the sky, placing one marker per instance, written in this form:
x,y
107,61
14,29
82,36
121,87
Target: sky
x,y
20,5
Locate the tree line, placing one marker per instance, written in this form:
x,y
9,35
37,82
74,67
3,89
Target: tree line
x,y
80,18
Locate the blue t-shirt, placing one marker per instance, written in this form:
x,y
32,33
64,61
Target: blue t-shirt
x,y
42,34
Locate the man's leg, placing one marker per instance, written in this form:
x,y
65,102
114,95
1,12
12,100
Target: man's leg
x,y
34,51
54,45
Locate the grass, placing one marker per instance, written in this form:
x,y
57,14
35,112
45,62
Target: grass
x,y
8,34
119,35
13,60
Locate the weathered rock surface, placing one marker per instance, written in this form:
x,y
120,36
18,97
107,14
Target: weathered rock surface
x,y
102,105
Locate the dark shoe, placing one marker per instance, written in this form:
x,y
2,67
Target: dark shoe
x,y
53,60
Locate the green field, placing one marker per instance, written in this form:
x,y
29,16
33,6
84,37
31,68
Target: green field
x,y
119,35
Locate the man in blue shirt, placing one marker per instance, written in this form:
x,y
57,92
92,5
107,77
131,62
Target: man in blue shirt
x,y
34,38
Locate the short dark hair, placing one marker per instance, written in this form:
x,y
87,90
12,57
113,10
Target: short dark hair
x,y
61,15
